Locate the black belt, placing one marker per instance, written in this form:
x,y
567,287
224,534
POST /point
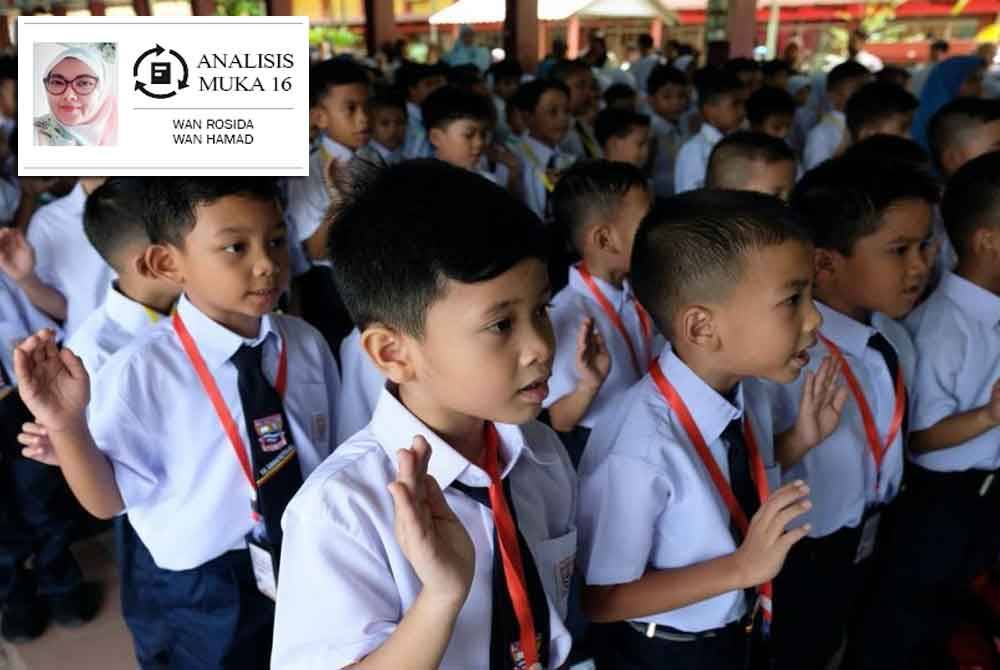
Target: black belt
x,y
661,632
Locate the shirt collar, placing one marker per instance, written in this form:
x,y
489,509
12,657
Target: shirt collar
x,y
336,150
973,299
384,152
414,111
711,412
538,152
215,342
711,133
132,316
616,296
850,335
394,427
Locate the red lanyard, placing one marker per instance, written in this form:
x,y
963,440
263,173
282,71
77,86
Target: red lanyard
x,y
616,319
676,403
871,430
510,550
212,389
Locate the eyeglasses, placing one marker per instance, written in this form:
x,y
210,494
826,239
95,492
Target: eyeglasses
x,y
82,85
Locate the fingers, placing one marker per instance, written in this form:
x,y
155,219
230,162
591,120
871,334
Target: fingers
x,y
779,500
73,364
583,337
789,514
439,507
840,399
407,515
788,540
35,429
44,456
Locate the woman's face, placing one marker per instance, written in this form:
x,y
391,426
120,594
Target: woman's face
x,y
72,107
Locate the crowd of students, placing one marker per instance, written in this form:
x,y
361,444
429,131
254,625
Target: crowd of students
x,y
525,374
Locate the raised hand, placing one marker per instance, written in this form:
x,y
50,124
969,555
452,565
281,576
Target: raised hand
x,y
37,445
593,362
767,543
53,384
17,256
430,535
821,405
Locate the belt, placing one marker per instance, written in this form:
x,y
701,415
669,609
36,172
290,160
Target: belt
x,y
661,632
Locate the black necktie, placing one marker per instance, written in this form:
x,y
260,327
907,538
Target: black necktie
x,y
881,345
504,629
5,379
550,166
272,454
741,481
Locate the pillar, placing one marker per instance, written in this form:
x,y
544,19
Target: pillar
x,y
58,10
380,24
97,7
543,40
656,32
203,7
142,7
520,32
573,37
5,31
742,28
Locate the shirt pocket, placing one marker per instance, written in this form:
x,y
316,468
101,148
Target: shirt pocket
x,y
311,412
556,562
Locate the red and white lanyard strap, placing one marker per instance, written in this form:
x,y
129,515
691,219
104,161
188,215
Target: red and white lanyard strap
x,y
875,443
215,396
616,320
677,404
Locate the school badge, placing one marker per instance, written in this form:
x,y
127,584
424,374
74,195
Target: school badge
x,y
517,655
270,433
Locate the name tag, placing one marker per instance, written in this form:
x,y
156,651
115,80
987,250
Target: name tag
x,y
265,567
869,533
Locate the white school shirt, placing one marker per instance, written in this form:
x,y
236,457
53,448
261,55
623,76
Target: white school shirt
x,y
824,138
646,500
534,157
569,308
18,319
361,384
66,260
184,489
692,159
840,470
309,197
668,139
345,583
956,333
574,142
642,68
417,145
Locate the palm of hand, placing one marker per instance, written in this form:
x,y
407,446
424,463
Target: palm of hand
x,y
52,393
17,259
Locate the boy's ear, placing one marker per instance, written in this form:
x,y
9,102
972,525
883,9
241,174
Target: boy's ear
x,y
434,136
600,237
318,118
140,265
390,351
986,242
698,328
827,263
162,263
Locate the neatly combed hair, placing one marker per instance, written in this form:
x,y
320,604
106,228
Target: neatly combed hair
x,y
565,69
333,72
592,188
645,41
713,83
173,201
613,122
738,66
451,103
508,68
845,72
664,74
955,119
693,247
387,98
890,147
728,164
775,67
972,200
876,101
465,76
769,101
618,92
114,216
410,74
844,199
395,242
528,94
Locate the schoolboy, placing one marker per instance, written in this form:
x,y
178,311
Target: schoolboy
x,y
457,123
506,76
776,73
963,129
420,576
747,71
748,161
771,111
175,413
624,136
620,96
417,81
880,108
544,108
388,128
668,99
727,276
604,338
579,80
947,531
871,221
829,136
721,101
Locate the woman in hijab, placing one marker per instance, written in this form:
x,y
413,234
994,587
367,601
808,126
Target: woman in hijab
x,y
82,106
958,77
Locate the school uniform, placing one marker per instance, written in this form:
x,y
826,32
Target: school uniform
x,y
309,197
648,502
826,575
668,138
692,159
538,162
947,530
340,542
65,259
580,142
186,488
824,139
361,384
580,300
377,153
37,512
416,145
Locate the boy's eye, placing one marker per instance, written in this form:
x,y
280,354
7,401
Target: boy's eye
x,y
793,301
278,242
501,327
235,248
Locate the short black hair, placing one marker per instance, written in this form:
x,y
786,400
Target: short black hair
x,y
332,72
844,73
972,200
114,216
893,74
528,94
451,103
727,164
592,187
693,247
940,45
955,119
508,68
713,83
768,101
890,147
843,199
387,98
875,102
612,122
645,41
8,68
618,91
565,69
664,74
410,74
775,67
174,200
465,76
739,66
395,241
